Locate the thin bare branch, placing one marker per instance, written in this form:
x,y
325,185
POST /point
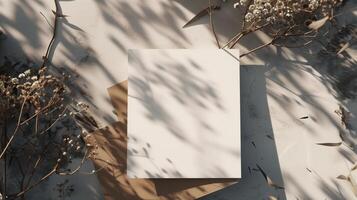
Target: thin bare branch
x,y
55,25
211,23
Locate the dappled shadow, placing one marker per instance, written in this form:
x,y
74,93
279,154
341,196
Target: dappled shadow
x,y
190,102
111,156
258,142
189,90
133,24
76,49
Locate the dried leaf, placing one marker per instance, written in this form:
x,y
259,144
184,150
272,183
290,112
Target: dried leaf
x,y
330,144
343,35
270,137
315,25
59,14
201,14
342,177
253,143
272,198
344,47
268,179
354,167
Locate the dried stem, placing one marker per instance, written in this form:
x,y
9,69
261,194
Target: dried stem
x,y
58,118
16,129
257,48
19,123
211,23
246,33
235,39
54,34
38,182
77,168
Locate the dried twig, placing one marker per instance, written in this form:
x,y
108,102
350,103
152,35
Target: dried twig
x,y
211,23
298,23
201,14
37,183
77,168
55,25
54,122
15,131
257,48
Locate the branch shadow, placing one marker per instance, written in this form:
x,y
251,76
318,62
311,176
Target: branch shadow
x,y
258,144
274,58
112,155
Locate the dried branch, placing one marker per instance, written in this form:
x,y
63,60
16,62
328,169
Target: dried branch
x,y
35,101
15,131
271,16
57,14
56,120
257,48
19,123
201,14
211,23
77,168
37,183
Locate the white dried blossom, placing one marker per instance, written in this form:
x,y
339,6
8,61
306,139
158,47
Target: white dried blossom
x,y
242,2
314,4
15,81
267,6
285,11
257,13
22,75
280,4
249,16
35,84
27,72
265,11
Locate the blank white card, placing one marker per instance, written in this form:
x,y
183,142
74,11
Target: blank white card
x,y
183,114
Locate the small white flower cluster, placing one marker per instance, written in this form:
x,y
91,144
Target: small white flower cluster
x,y
283,10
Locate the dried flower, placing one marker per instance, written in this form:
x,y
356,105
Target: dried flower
x,y
284,11
27,72
15,81
22,75
35,84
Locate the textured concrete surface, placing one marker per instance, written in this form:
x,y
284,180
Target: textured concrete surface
x,y
293,84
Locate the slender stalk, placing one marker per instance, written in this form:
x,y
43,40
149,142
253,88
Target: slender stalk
x,y
257,48
16,129
238,35
55,25
52,124
211,23
38,182
77,168
4,192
